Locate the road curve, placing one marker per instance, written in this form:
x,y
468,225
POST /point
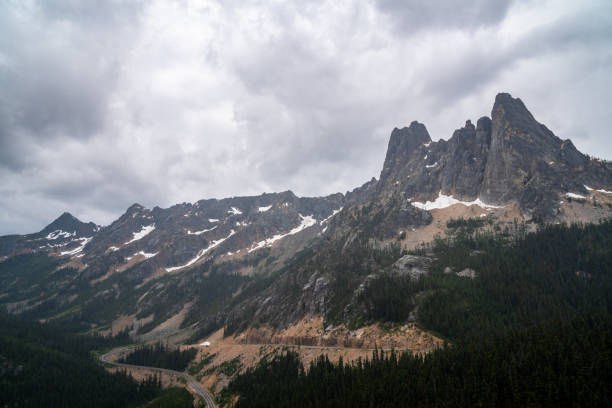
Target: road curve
x,y
195,386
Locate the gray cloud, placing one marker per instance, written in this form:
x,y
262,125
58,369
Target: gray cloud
x,y
59,62
103,104
411,16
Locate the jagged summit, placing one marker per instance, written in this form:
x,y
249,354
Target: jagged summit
x,y
64,221
136,207
510,157
69,223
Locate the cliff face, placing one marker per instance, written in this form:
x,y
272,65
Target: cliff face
x,y
508,157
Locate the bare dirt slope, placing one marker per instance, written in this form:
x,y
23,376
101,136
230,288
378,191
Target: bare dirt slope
x,y
309,339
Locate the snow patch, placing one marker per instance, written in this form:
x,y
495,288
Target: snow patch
x,y
75,251
145,254
213,220
200,254
234,211
334,212
306,222
146,230
59,234
113,249
264,209
200,232
429,166
600,190
444,201
574,195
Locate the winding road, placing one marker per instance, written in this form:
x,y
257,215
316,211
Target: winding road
x,y
193,384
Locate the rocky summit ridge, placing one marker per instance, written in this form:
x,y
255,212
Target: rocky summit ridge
x,y
508,157
275,258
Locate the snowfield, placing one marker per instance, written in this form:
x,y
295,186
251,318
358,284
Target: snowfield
x,y
306,222
143,253
334,212
59,234
75,251
600,190
444,201
201,232
234,211
200,254
146,230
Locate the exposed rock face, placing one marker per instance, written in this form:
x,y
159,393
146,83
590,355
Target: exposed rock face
x,y
412,266
529,163
510,157
467,273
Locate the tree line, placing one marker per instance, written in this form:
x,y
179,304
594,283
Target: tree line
x,y
555,364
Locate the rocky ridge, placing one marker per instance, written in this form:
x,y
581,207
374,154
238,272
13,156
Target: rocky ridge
x,y
275,258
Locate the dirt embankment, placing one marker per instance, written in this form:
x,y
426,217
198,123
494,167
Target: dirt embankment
x,y
309,339
310,332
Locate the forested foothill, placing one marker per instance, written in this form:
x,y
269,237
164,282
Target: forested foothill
x,y
44,366
532,327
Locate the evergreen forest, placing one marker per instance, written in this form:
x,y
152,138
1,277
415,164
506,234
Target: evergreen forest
x,y
532,328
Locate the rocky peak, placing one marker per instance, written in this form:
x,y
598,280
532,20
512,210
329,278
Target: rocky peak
x,y
134,208
507,157
483,130
69,223
527,162
404,142
407,139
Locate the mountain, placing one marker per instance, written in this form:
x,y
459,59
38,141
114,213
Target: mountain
x,y
258,265
64,236
507,158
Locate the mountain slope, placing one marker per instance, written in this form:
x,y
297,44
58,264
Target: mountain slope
x,y
274,259
63,236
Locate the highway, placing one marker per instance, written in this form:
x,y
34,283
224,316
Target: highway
x,y
193,384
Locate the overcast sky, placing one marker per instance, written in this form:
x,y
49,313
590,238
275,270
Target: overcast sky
x,y
103,104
